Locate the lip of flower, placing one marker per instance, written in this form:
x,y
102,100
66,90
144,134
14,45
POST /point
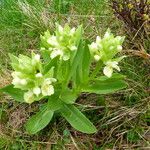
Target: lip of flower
x,y
108,69
47,90
29,97
49,80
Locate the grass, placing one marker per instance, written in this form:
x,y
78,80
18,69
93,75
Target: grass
x,y
122,119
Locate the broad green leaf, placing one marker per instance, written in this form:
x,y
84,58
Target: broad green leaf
x,y
68,96
15,93
76,63
46,55
54,102
79,33
52,63
77,59
114,76
105,86
86,60
77,119
39,121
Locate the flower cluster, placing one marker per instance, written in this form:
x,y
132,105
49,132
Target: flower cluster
x,y
28,76
62,43
105,49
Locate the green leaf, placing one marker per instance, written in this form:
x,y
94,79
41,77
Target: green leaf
x,y
105,86
68,96
114,76
79,33
39,121
15,93
77,59
77,119
45,55
86,60
75,72
54,102
52,63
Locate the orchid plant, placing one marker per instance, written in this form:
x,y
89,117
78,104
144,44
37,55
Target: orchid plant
x,y
61,72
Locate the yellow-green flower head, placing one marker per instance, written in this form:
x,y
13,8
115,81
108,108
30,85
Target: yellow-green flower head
x,y
63,43
105,49
28,76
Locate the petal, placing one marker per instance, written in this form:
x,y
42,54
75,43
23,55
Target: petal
x,y
72,31
93,47
36,91
23,81
38,75
108,71
98,39
60,29
29,97
113,64
47,90
16,81
116,67
55,53
73,48
37,57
